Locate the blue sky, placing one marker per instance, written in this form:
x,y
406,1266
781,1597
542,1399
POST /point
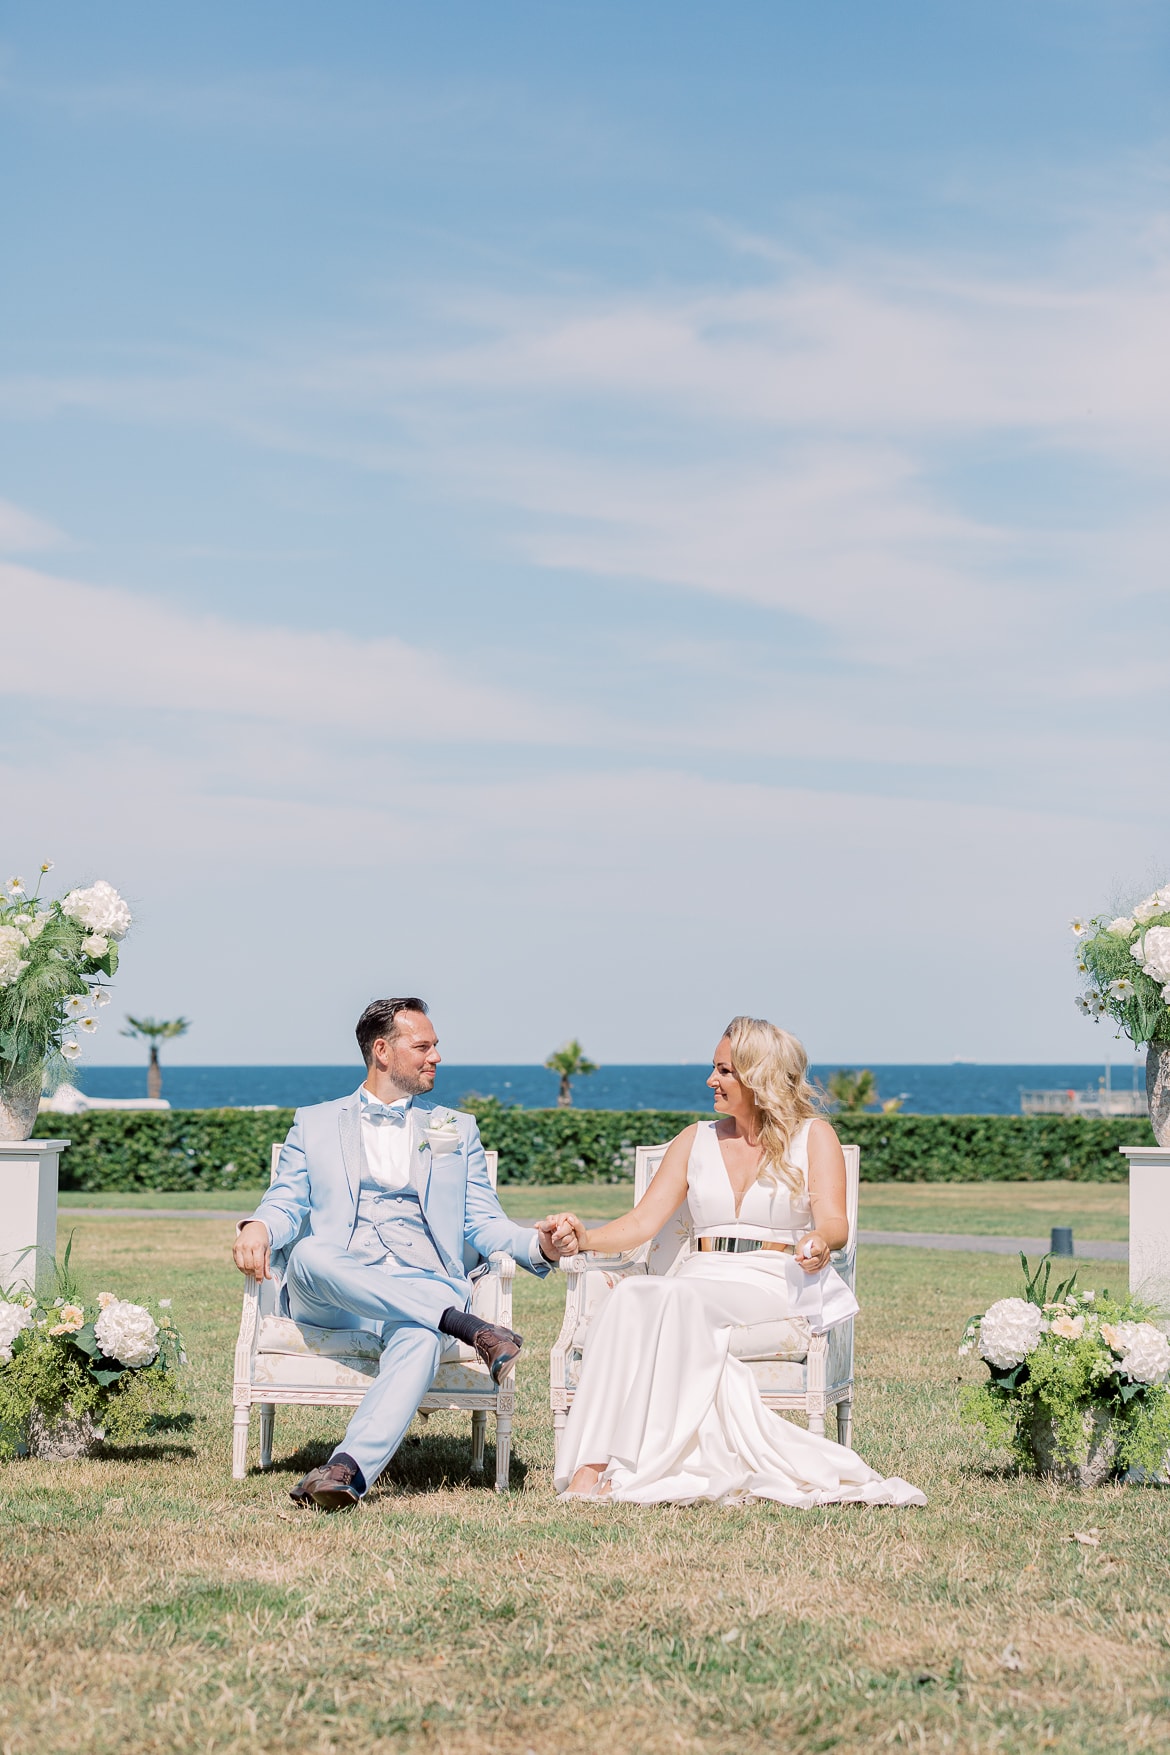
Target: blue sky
x,y
604,516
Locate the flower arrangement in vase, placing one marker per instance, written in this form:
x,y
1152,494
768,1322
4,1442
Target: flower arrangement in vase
x,y
1127,962
1076,1384
74,1370
53,957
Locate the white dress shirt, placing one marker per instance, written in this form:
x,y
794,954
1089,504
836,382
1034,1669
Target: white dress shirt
x,y
386,1144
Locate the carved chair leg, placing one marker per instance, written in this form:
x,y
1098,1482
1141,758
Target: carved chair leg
x,y
559,1418
816,1424
478,1437
503,1451
240,1443
845,1424
267,1422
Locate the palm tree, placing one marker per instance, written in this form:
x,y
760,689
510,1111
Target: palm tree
x,y
570,1062
853,1090
154,1031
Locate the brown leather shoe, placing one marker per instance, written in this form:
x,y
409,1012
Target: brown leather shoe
x,y
499,1349
335,1486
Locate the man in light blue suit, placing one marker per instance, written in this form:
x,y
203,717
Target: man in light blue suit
x,y
380,1209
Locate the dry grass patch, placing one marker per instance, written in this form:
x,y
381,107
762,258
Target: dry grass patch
x,y
154,1605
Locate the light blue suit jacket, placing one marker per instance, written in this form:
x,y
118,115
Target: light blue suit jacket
x,y
319,1173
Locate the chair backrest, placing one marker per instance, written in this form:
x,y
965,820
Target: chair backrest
x,y
493,1165
677,1234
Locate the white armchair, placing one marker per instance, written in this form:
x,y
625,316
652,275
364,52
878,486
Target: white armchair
x,y
792,1368
282,1361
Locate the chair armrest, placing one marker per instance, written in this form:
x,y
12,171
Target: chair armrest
x,y
249,1330
491,1293
587,1262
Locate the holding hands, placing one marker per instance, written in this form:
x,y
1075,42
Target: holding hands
x,y
562,1234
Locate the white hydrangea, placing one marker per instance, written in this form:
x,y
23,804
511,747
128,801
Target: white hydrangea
x,y
1009,1331
13,1318
13,961
100,909
1122,926
1152,951
127,1333
1144,1349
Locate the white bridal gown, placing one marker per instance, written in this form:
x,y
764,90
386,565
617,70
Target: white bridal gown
x,y
661,1400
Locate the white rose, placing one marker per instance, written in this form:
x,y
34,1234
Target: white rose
x,y
1144,1349
13,1318
1009,1331
13,961
1122,926
100,909
94,945
127,1333
1152,951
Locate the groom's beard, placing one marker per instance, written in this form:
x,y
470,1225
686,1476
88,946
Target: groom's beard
x,y
413,1084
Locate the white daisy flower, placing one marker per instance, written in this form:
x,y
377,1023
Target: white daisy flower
x,y
1123,988
74,1006
71,1049
46,865
1080,928
89,1025
100,996
15,886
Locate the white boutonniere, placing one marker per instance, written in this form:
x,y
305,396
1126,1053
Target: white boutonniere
x,y
442,1134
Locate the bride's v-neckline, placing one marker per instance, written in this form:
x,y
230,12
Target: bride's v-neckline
x,y
737,1203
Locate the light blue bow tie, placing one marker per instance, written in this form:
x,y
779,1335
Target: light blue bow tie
x,y
386,1112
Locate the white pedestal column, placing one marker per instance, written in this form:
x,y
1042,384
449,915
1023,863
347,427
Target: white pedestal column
x,y
1149,1222
28,1208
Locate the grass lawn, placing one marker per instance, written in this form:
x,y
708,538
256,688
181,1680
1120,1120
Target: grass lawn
x,y
154,1605
1025,1209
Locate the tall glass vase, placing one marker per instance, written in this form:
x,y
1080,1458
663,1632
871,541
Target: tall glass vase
x,y
20,1098
1158,1090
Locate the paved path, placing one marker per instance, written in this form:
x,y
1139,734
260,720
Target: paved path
x,y
1087,1250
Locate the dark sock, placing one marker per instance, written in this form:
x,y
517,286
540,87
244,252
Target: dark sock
x,y
461,1324
343,1456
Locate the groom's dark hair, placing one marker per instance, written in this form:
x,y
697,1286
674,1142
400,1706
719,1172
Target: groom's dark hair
x,y
378,1019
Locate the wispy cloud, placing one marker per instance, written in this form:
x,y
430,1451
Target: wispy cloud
x,y
128,651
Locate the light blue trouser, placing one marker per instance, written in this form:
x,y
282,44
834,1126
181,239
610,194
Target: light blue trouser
x,y
331,1288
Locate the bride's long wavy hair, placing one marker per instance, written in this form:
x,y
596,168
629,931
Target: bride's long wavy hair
x,y
772,1066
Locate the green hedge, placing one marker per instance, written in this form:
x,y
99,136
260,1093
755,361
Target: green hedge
x,y
183,1150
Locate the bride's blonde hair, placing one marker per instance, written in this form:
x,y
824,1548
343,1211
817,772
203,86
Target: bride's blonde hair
x,y
772,1066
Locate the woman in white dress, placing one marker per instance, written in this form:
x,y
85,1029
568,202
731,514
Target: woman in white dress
x,y
663,1412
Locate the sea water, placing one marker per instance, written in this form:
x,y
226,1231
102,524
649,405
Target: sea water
x,y
961,1088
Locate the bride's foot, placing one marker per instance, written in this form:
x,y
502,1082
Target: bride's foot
x,y
584,1482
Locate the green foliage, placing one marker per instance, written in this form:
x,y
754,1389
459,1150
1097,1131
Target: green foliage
x,y
54,968
570,1062
66,1373
1067,1377
853,1090
184,1150
1119,986
156,1029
